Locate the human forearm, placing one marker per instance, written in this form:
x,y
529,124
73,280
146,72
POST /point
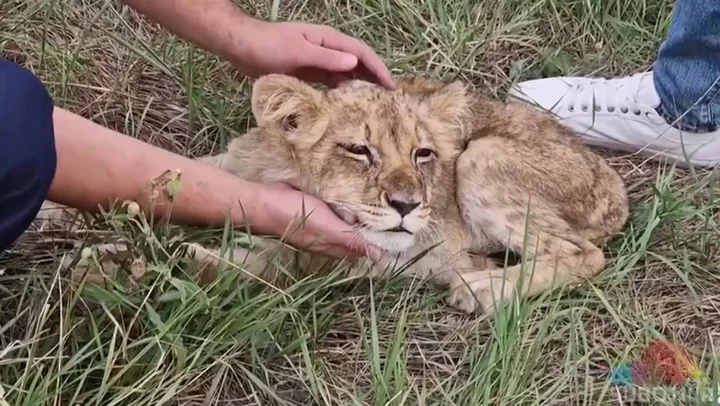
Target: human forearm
x,y
215,25
311,52
97,166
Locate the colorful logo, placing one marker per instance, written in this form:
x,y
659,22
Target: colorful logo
x,y
661,363
663,372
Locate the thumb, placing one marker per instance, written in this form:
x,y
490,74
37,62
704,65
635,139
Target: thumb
x,y
329,60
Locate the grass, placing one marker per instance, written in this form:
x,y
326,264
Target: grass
x,y
327,341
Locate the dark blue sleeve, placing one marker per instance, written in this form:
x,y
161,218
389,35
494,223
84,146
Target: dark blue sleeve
x,y
27,150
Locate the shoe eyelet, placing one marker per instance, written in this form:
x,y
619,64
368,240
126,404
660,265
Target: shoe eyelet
x,y
624,110
584,108
637,112
597,108
571,108
611,109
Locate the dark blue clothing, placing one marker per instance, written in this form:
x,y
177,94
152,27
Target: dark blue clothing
x,y
27,150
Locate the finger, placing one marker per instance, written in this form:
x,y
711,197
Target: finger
x,y
341,241
329,59
354,241
329,38
319,244
340,252
366,250
349,253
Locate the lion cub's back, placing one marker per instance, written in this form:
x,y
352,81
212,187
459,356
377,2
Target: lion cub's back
x,y
527,152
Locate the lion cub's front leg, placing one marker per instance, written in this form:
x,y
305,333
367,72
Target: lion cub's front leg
x,y
553,252
439,265
555,261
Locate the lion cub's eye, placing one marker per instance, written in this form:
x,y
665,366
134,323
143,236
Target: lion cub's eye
x,y
358,149
424,155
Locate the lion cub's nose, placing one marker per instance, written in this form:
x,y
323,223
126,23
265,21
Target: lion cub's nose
x,y
403,207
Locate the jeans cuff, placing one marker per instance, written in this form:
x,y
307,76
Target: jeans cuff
x,y
683,124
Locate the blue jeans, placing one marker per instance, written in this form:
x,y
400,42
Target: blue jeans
x,y
687,68
27,150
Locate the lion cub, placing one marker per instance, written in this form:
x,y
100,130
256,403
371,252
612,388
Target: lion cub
x,y
434,165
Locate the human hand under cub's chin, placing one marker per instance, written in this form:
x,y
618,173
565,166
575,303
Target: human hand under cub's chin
x,y
314,53
308,223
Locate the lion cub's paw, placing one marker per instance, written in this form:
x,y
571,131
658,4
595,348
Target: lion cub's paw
x,y
482,291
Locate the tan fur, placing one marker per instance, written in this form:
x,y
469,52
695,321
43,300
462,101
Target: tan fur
x,y
498,176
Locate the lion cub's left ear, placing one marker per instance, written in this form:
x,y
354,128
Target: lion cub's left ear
x,y
284,103
450,107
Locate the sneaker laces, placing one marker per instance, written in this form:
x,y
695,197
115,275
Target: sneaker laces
x,y
626,94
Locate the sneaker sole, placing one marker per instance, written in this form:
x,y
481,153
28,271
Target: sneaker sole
x,y
653,154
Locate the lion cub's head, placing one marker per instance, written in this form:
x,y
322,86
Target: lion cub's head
x,y
376,156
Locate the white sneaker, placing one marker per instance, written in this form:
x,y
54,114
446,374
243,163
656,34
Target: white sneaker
x,y
620,114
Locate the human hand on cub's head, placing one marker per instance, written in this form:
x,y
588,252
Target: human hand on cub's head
x,y
308,223
310,52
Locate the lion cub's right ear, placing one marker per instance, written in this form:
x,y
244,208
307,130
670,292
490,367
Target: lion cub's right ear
x,y
284,103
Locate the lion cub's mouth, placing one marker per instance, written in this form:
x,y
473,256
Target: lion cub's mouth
x,y
398,229
352,219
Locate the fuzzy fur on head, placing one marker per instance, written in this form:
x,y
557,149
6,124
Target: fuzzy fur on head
x,y
384,160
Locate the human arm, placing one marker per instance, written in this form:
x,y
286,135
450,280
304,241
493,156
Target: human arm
x,y
311,52
96,166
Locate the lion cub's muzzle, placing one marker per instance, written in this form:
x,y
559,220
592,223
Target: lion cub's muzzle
x,y
405,212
